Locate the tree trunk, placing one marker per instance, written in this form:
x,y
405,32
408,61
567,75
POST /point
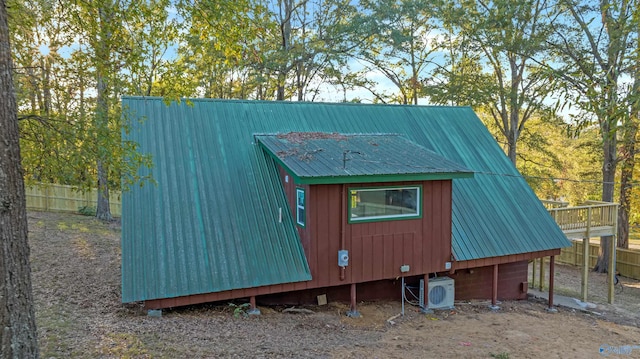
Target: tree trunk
x,y
626,180
629,154
103,210
608,177
18,338
285,33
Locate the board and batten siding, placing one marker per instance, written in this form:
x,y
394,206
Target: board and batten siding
x,y
376,249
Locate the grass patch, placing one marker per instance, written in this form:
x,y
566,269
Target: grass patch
x,y
503,355
56,327
122,345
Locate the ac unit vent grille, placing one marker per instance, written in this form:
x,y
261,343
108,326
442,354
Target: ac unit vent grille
x,y
437,294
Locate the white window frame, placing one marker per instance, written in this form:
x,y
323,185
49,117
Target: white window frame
x,y
301,206
354,197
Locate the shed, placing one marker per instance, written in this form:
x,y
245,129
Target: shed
x,y
262,199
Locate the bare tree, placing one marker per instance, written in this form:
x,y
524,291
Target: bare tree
x,y
18,338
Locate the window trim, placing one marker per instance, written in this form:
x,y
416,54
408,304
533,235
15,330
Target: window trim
x,y
399,217
301,221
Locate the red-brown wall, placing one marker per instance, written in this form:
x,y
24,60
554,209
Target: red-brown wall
x,y
376,249
476,283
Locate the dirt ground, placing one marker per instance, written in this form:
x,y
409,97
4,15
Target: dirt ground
x,y
76,282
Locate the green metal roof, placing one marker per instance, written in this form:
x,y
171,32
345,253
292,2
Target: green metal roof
x,y
212,222
329,158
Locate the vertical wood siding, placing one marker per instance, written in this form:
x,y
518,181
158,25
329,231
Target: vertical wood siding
x,y
376,249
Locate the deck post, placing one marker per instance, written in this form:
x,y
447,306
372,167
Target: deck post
x,y
585,257
541,281
612,256
552,271
533,273
585,268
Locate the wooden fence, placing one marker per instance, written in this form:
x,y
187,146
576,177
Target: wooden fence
x,y
61,198
627,260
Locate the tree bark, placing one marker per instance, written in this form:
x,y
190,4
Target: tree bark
x,y
18,337
103,210
626,180
608,177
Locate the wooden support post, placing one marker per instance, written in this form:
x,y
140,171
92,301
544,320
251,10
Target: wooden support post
x,y
353,311
253,309
552,270
541,282
585,257
585,268
533,273
612,256
494,288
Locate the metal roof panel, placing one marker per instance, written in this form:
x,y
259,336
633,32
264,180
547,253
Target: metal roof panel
x,y
211,223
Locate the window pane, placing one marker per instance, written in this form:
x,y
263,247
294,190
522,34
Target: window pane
x,y
384,203
300,204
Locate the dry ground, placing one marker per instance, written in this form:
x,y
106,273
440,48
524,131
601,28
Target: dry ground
x,y
76,282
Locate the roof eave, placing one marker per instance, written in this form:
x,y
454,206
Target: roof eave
x,y
382,178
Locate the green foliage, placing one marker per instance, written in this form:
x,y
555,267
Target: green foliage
x,y
63,131
502,58
503,355
399,45
240,309
87,211
490,50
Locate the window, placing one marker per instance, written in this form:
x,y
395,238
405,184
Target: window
x,y
387,203
300,204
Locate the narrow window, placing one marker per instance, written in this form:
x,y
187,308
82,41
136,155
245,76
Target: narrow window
x,y
300,205
386,203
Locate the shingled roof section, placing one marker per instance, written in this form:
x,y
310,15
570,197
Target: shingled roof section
x,y
213,223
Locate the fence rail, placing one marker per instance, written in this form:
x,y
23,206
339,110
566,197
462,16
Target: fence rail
x,y
627,260
62,198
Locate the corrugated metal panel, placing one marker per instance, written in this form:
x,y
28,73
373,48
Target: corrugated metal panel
x,y
319,157
211,223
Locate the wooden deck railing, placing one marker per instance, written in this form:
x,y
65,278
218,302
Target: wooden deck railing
x,y
593,220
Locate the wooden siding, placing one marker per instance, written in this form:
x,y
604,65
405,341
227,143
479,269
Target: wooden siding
x,y
376,249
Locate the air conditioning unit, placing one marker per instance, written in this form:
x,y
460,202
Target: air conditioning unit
x,y
441,293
